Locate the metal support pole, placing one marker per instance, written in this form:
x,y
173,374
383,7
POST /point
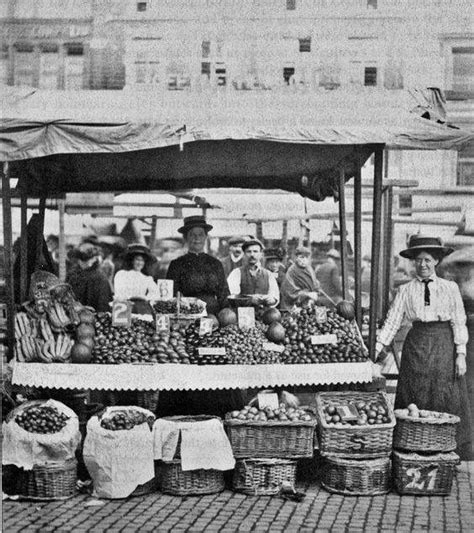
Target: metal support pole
x,y
153,232
388,250
23,248
7,233
342,228
40,236
358,242
376,241
62,240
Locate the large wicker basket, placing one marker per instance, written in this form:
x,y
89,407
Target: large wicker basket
x,y
277,439
431,474
425,434
263,477
356,477
171,479
48,481
354,441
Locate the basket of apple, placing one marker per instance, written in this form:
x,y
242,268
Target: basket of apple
x,y
354,424
285,432
425,431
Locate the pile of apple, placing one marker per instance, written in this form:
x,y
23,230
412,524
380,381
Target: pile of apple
x,y
138,344
42,419
413,412
126,419
282,414
369,413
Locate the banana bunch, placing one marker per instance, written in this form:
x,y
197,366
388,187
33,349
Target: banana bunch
x,y
54,350
24,326
26,349
57,316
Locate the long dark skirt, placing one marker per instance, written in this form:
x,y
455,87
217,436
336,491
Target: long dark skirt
x,y
428,377
217,403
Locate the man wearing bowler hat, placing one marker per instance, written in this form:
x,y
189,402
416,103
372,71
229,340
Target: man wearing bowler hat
x,y
236,255
252,279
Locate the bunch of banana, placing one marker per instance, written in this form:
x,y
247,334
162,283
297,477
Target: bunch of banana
x,y
57,316
23,325
26,351
45,329
54,350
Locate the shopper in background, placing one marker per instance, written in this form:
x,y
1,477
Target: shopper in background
x,y
300,284
89,283
133,282
274,263
433,363
329,277
252,280
236,255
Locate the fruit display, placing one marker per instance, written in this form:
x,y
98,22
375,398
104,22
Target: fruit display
x,y
138,344
241,347
41,419
301,326
282,414
126,419
365,413
188,306
412,411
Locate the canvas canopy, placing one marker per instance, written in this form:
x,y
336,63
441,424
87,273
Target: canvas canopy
x,y
60,141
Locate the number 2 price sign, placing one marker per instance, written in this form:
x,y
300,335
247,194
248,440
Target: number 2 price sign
x,y
122,313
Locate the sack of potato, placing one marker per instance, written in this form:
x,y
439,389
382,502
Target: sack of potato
x,y
40,431
118,450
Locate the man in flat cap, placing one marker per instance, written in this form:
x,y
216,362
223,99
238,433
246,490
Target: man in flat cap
x,y
236,255
252,279
300,284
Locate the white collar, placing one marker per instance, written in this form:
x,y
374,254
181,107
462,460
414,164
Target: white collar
x,y
433,277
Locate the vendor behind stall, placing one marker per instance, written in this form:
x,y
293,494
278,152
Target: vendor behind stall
x,y
300,284
198,274
89,283
252,280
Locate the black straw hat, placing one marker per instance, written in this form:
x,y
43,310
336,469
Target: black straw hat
x,y
420,243
193,222
138,249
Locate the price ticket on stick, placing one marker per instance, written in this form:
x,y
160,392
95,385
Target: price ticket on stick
x,y
165,288
348,413
246,317
162,323
329,338
267,399
205,326
209,350
273,347
321,314
122,313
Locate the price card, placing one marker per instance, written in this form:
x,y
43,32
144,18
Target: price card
x,y
273,347
205,350
246,317
205,326
165,288
267,399
162,323
330,338
348,413
321,314
122,313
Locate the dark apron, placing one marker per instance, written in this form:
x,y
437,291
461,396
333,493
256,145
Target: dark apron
x,y
428,377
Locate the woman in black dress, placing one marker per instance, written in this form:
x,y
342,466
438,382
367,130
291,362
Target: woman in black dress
x,y
197,274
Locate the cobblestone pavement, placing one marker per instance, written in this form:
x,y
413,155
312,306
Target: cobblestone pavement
x,y
228,511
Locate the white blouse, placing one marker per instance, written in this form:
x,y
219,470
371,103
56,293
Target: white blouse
x,y
133,284
445,305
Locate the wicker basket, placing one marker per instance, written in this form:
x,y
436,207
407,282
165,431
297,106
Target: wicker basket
x,y
425,434
354,441
356,477
431,474
171,479
275,439
49,481
145,488
263,477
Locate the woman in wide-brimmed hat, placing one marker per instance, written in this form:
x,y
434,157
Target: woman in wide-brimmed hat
x,y
133,282
433,364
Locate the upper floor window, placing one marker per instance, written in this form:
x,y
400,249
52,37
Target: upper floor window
x,y
371,4
370,76
290,5
141,7
305,44
463,69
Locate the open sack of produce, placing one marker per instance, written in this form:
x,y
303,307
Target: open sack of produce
x,y
40,439
118,451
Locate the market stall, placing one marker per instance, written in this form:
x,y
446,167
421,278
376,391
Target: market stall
x,y
55,143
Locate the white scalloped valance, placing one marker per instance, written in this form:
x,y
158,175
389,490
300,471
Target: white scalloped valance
x,y
185,377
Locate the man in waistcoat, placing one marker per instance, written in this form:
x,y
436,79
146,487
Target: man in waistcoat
x,y
252,279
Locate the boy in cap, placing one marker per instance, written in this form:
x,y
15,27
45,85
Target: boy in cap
x,y
300,284
236,255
